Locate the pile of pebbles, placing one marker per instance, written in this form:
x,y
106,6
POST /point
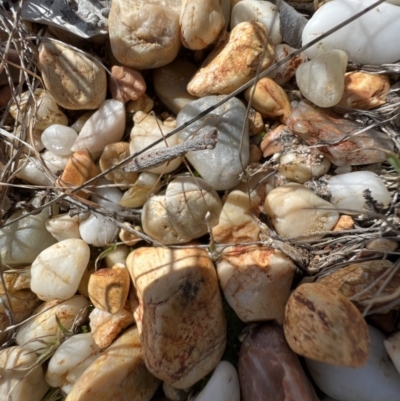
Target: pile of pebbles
x,y
262,265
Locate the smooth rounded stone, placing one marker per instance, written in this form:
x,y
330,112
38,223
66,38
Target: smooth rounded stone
x,y
285,72
57,271
117,255
269,369
373,35
63,226
377,380
75,81
269,99
255,281
296,212
70,360
19,381
45,326
392,346
22,241
382,245
107,196
363,281
145,103
59,139
348,191
278,140
234,62
322,324
119,373
98,230
126,84
303,164
137,195
261,11
16,280
35,141
79,169
81,121
321,80
364,91
201,22
109,288
148,129
143,35
47,111
105,126
345,222
223,385
236,223
105,327
316,126
170,84
130,238
185,212
180,317
221,166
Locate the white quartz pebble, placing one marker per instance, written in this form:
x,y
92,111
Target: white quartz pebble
x,y
59,139
63,226
97,230
392,345
377,380
57,271
70,360
105,126
370,39
44,325
222,386
261,11
107,196
348,190
321,80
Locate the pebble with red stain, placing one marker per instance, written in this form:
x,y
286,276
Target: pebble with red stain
x,y
126,84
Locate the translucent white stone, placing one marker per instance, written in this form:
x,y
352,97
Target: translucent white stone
x,y
223,385
59,139
321,80
347,190
63,227
108,197
70,360
371,39
98,230
105,126
57,271
260,11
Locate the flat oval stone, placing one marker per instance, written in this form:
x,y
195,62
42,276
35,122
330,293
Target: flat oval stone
x,y
220,166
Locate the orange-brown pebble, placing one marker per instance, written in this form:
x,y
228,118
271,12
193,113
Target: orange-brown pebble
x,y
275,139
345,222
126,84
79,169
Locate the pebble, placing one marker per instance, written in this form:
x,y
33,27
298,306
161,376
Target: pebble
x,y
57,270
81,121
392,346
201,22
180,318
234,62
116,255
35,142
129,238
321,80
345,222
373,35
364,91
59,139
269,99
261,11
45,325
20,379
278,140
143,35
105,126
148,129
145,104
377,380
269,369
119,373
107,196
236,223
126,84
316,126
98,230
321,324
170,84
70,360
222,386
255,281
76,81
220,166
353,191
296,212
